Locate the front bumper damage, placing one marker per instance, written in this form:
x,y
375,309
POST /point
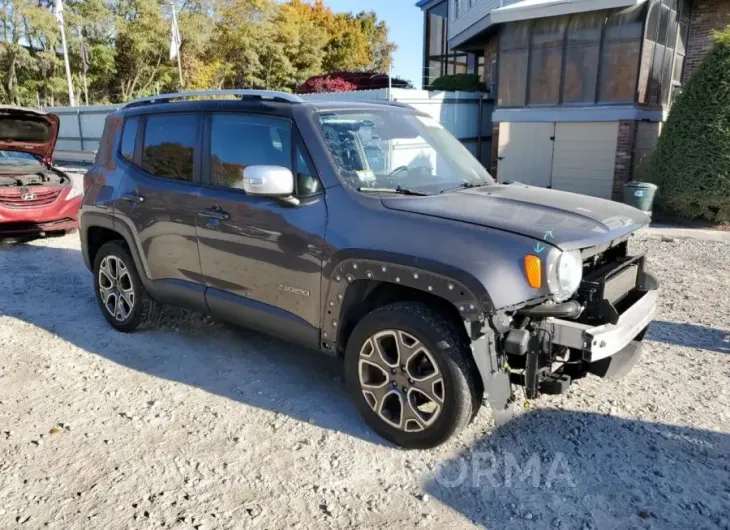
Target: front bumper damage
x,y
598,342
544,348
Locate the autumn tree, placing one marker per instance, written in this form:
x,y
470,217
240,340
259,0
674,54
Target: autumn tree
x,y
269,44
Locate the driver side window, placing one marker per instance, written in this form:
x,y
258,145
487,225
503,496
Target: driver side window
x,y
240,140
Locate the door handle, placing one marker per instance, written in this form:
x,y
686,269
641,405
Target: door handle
x,y
214,213
134,197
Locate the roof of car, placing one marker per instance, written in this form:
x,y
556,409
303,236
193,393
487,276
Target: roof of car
x,y
273,107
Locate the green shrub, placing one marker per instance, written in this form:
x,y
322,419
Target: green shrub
x,y
691,163
464,82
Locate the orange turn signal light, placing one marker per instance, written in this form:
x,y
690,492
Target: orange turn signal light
x,y
533,271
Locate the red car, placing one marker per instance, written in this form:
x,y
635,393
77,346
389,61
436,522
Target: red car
x,y
35,197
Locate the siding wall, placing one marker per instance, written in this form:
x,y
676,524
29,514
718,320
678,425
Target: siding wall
x,y
469,17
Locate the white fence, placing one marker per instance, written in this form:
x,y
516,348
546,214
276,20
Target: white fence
x,y
466,115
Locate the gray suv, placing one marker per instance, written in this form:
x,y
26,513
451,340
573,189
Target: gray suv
x,y
368,232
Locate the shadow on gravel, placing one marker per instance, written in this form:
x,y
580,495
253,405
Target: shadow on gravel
x,y
690,335
52,289
589,471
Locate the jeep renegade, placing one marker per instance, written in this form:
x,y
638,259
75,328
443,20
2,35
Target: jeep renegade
x,y
369,232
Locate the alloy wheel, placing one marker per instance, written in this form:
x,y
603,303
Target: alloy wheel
x,y
401,380
115,288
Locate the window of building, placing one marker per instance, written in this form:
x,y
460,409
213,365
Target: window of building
x,y
514,49
647,54
595,57
685,8
546,60
582,48
129,138
440,59
170,141
238,141
665,45
621,54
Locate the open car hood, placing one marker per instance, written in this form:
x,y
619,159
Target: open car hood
x,y
566,220
29,131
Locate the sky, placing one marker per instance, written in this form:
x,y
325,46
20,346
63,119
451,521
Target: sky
x,y
405,25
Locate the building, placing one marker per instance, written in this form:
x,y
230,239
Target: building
x,y
581,87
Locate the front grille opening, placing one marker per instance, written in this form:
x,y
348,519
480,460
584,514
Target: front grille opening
x,y
604,291
611,256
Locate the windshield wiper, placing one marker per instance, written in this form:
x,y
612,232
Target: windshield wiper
x,y
400,190
464,186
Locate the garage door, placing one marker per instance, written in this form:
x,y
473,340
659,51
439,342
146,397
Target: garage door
x,y
583,158
525,152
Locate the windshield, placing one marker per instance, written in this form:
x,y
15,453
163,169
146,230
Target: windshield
x,y
16,158
394,149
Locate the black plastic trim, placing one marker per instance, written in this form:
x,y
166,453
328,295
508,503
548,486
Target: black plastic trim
x,y
261,317
430,277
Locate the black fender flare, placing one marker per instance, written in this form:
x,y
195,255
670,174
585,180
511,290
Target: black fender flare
x,y
456,286
110,222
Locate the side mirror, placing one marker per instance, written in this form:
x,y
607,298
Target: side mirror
x,y
268,181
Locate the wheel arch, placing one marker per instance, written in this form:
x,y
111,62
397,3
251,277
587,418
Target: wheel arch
x,y
359,284
97,229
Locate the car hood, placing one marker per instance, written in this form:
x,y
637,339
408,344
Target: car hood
x,y
27,130
566,220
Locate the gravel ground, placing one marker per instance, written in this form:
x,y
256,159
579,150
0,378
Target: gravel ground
x,y
202,425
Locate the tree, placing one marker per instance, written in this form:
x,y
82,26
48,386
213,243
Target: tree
x,y
142,44
691,163
381,49
302,39
347,46
240,32
270,44
29,64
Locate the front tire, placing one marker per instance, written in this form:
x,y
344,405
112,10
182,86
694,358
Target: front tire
x,y
122,298
409,372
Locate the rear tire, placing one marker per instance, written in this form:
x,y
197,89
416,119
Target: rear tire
x,y
122,298
409,371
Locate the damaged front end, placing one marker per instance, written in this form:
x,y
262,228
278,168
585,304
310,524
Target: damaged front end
x,y
599,330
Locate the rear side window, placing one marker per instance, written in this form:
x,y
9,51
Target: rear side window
x,y
129,138
238,141
169,148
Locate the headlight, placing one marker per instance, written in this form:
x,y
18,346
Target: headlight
x,y
77,188
567,276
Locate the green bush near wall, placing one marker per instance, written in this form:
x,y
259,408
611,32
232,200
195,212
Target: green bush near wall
x,y
691,163
463,82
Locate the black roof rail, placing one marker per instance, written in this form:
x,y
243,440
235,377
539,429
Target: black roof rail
x,y
282,97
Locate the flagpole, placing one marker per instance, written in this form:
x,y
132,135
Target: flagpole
x,y
59,17
84,66
179,64
86,92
